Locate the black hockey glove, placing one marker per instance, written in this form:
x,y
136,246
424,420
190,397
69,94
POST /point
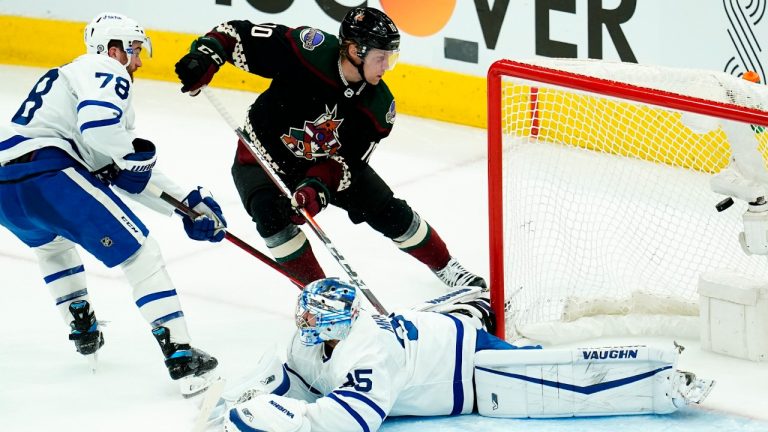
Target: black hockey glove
x,y
197,67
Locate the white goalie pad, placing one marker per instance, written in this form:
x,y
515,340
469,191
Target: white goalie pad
x,y
582,382
267,376
446,301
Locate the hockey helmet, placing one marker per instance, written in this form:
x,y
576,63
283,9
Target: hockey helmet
x,y
370,28
326,310
110,26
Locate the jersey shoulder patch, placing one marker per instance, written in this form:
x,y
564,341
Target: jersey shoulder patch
x,y
311,38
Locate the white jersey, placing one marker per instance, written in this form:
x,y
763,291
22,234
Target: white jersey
x,y
85,109
416,363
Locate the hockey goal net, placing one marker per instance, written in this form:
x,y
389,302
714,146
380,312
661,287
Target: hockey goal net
x,y
601,217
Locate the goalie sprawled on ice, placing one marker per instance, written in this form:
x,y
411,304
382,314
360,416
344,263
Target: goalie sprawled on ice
x,y
348,370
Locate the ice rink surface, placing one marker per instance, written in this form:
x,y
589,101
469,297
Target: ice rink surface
x,y
237,307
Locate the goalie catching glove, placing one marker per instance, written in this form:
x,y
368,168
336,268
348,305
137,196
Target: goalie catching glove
x,y
210,224
197,67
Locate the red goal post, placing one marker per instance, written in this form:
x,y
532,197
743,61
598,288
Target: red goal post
x,y
553,75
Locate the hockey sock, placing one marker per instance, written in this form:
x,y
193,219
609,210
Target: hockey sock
x,y
292,250
63,273
423,243
154,292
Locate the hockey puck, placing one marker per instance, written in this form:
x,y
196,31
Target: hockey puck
x,y
724,204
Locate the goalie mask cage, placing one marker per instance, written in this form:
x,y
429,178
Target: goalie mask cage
x,y
601,218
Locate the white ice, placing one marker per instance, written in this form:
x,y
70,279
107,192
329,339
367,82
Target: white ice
x,y
237,307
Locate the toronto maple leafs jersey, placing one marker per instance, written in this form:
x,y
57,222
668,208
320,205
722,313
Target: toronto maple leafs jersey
x,y
309,112
83,108
411,363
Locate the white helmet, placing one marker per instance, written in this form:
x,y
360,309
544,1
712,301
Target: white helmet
x,y
110,26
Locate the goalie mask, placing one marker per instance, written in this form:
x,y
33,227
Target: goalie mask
x,y
326,310
110,26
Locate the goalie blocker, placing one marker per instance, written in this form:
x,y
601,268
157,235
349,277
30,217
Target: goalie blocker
x,y
583,382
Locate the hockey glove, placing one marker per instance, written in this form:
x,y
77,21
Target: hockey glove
x,y
210,225
197,67
136,167
311,195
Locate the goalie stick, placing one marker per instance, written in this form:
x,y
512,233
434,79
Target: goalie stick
x,y
260,158
210,400
227,235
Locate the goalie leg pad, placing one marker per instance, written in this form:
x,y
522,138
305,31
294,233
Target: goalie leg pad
x,y
469,301
446,302
269,376
268,412
580,382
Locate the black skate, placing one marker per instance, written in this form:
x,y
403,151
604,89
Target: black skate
x,y
193,368
85,329
454,275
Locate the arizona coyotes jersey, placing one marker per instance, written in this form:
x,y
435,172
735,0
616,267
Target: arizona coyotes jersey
x,y
83,108
412,363
309,112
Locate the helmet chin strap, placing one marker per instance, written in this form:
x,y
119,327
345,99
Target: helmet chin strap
x,y
362,72
359,67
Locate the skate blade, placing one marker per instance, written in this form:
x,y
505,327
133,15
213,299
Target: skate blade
x,y
191,386
93,360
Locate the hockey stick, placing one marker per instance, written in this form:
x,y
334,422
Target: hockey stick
x,y
227,235
260,158
210,399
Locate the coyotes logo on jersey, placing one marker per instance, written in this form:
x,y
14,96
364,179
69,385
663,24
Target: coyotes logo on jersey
x,y
318,138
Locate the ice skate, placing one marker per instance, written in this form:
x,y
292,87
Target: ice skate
x,y
692,389
454,275
194,369
85,331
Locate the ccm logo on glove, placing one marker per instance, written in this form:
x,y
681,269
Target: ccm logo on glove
x,y
311,195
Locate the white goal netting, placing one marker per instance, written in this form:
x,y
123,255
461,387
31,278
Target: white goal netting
x,y
608,217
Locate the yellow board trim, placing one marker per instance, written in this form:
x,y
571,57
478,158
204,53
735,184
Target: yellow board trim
x,y
419,91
